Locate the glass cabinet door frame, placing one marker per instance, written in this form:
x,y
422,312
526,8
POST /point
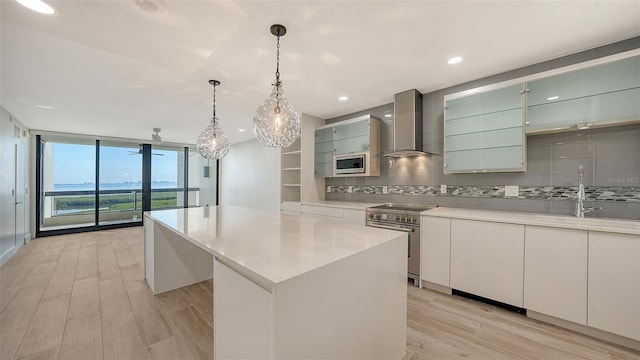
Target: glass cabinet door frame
x,y
523,81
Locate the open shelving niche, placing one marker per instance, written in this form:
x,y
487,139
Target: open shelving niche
x,y
290,172
297,181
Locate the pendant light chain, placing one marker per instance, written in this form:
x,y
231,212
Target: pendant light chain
x,y
213,119
278,62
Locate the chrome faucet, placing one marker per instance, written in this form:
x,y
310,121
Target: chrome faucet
x,y
580,209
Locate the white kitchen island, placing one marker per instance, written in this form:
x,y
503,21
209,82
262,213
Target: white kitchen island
x,y
286,287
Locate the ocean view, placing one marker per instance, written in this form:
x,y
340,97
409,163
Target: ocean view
x,y
115,186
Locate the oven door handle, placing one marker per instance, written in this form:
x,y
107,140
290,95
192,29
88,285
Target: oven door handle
x,y
391,228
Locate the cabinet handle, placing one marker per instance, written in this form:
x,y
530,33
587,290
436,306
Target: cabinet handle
x,y
445,165
527,122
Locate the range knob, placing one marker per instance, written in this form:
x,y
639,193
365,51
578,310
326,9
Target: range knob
x,y
370,215
415,219
403,218
377,216
384,216
397,217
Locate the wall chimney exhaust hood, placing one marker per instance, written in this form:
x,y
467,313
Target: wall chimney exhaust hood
x,y
407,125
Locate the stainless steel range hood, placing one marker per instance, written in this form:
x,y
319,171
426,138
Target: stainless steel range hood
x,y
407,125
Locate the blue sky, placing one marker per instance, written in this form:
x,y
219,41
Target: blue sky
x,y
75,164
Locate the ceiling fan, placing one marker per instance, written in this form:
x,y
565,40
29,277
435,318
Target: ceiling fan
x,y
155,136
139,152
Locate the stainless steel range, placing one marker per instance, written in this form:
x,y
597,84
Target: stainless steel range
x,y
402,217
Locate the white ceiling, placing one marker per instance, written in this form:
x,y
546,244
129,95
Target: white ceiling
x,y
112,69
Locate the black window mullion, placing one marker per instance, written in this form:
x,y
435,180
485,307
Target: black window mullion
x,y
97,194
146,177
186,177
39,192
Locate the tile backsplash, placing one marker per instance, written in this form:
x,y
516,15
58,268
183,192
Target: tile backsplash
x,y
611,157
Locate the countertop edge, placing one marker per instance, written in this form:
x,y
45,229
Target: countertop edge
x,y
355,205
521,218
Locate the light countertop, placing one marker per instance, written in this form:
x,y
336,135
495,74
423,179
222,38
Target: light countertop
x,y
356,205
270,245
568,222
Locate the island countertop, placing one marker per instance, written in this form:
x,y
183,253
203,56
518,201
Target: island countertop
x,y
270,245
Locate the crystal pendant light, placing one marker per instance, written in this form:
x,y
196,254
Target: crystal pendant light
x,y
213,143
276,123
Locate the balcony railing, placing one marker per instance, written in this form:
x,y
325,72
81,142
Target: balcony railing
x,y
80,202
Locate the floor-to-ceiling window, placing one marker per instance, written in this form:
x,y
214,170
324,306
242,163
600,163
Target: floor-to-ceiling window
x,y
67,183
120,186
86,184
167,177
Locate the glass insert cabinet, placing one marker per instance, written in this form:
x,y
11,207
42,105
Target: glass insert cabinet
x,y
485,129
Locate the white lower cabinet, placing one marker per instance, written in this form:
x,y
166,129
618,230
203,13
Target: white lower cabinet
x,y
614,283
555,272
487,259
435,250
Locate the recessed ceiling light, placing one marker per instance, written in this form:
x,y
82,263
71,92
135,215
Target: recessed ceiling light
x,y
454,60
343,98
38,6
553,98
241,130
45,107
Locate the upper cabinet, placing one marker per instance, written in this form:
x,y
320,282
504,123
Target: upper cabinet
x,y
358,135
597,95
485,128
323,152
484,132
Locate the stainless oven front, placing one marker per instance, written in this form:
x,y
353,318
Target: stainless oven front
x,y
413,253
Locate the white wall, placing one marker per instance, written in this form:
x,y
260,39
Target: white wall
x,y
14,186
250,176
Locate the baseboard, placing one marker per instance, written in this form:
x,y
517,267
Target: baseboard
x,y
8,254
587,330
27,238
436,287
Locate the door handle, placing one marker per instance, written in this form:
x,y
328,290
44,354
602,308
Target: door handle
x,y
391,228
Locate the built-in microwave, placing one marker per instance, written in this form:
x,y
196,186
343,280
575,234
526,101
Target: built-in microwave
x,y
350,164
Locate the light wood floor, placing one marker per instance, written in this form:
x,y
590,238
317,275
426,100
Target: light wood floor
x,y
83,296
